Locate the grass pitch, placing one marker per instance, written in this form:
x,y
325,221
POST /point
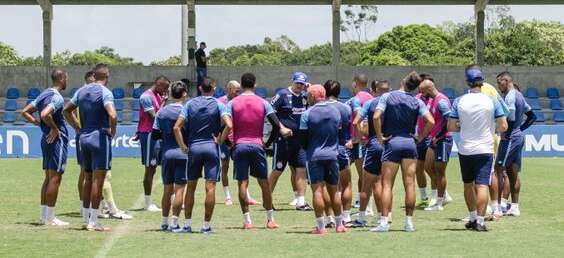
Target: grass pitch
x,y
538,232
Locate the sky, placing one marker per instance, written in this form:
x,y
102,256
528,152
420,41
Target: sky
x,y
149,33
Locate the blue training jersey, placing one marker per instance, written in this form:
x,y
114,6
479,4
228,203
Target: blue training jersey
x,y
517,107
322,123
289,107
346,117
202,119
367,112
51,98
92,99
164,122
400,112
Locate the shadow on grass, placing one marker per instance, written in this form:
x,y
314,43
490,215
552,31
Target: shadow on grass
x,y
455,229
138,209
70,214
34,223
455,219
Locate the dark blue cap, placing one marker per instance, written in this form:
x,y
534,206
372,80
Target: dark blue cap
x,y
474,75
299,77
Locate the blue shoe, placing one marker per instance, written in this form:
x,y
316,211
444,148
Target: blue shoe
x,y
187,229
164,227
206,231
358,224
176,229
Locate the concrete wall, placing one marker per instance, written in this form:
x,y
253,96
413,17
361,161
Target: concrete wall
x,y
273,77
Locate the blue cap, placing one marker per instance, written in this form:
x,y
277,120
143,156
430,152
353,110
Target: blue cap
x,y
474,75
299,77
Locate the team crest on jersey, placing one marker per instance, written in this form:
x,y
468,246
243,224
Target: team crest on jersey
x,y
222,155
153,162
279,165
304,101
274,99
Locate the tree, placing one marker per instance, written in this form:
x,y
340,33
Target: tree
x,y
170,61
358,20
8,55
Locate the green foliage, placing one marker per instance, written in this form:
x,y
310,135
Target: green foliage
x,y
8,55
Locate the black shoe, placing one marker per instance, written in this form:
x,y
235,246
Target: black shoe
x,y
305,207
471,225
481,228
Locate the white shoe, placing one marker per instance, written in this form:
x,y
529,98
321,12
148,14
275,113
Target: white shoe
x,y
381,228
97,227
294,202
432,202
465,219
153,208
514,212
120,215
369,212
102,215
57,222
408,227
435,207
489,210
448,199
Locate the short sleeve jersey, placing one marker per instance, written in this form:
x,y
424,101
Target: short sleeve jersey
x,y
289,107
322,123
202,119
51,98
164,122
248,112
401,111
346,115
92,100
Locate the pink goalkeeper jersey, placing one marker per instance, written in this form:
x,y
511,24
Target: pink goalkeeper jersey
x,y
248,112
436,111
148,101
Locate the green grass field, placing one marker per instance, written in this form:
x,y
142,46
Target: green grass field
x,y
538,232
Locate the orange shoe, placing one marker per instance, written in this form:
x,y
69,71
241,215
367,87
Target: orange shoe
x,y
271,224
247,226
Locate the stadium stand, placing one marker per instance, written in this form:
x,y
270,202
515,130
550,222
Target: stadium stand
x,y
535,104
119,116
540,116
33,93
118,104
552,93
134,117
345,94
137,93
134,105
9,117
532,93
11,105
555,104
118,93
558,117
219,92
13,93
449,92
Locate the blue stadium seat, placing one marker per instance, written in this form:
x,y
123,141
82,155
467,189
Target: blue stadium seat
x,y
558,117
449,92
135,104
540,116
72,92
532,93
11,105
12,93
261,92
119,116
10,117
118,93
555,104
552,93
33,93
134,117
278,89
345,94
534,103
219,92
137,93
118,104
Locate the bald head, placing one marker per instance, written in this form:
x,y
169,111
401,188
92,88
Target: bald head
x,y
59,78
233,89
427,88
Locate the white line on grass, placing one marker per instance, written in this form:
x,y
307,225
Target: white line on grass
x,y
118,232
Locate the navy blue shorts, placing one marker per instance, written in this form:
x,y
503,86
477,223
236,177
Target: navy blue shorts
x,y
442,149
55,153
77,147
398,148
205,156
476,169
343,158
249,158
422,149
288,151
373,157
510,152
96,150
225,153
357,152
319,171
149,150
173,167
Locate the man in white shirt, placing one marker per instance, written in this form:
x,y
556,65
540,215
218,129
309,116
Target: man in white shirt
x,y
476,116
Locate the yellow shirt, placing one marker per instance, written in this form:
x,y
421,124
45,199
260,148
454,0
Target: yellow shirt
x,y
490,90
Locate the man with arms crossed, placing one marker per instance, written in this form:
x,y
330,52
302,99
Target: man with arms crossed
x,y
150,101
54,143
476,116
97,128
